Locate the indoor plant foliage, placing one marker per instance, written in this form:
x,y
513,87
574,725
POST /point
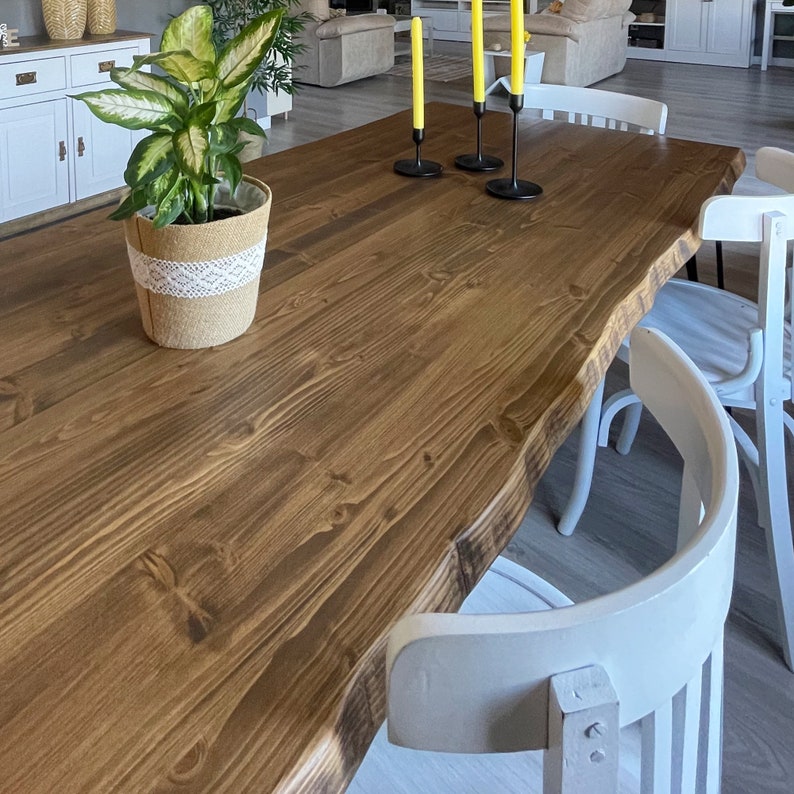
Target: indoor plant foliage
x,y
196,269
192,113
274,73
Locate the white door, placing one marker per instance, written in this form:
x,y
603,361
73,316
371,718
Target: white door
x,y
34,158
99,152
686,25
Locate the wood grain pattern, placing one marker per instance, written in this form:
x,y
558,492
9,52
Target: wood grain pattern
x,y
203,551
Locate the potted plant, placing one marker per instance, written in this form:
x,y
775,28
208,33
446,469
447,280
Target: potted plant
x,y
274,74
195,226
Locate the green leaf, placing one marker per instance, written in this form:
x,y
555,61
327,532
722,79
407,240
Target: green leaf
x,y
244,52
136,200
153,156
180,64
229,101
191,31
157,190
192,146
169,209
201,115
232,170
131,109
145,81
244,124
223,138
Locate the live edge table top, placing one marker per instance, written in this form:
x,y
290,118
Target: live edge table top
x,y
202,552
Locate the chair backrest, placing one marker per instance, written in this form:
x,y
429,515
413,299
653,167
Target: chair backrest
x,y
596,108
768,220
775,166
481,683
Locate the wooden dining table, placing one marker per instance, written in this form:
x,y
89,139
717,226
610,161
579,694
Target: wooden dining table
x,y
202,552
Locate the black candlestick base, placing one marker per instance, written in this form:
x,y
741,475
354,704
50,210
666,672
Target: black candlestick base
x,y
514,188
508,189
418,166
479,161
476,162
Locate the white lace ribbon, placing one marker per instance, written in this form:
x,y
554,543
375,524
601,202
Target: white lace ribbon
x,y
197,279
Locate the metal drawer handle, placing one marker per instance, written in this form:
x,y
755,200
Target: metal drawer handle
x,y
26,78
106,66
80,146
61,150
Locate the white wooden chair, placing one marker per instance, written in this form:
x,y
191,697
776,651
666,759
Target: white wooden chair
x,y
595,108
717,329
545,674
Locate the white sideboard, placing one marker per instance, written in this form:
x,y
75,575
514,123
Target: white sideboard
x,y
693,31
52,149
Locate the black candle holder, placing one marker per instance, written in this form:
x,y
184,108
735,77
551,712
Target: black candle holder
x,y
479,161
514,188
418,167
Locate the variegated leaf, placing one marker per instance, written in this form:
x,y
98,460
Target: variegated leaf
x,y
131,109
191,146
146,81
229,101
191,31
240,57
153,156
182,66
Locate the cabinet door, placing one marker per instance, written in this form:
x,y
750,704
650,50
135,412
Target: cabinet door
x,y
100,152
686,25
729,29
34,166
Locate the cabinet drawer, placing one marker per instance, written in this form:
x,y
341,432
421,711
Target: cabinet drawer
x,y
94,67
23,78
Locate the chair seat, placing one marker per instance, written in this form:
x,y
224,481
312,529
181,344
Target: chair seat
x,y
388,769
712,327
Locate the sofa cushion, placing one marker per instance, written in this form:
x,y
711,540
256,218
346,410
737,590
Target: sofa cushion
x,y
334,28
585,10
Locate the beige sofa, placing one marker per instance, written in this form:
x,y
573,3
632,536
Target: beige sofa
x,y
341,49
584,43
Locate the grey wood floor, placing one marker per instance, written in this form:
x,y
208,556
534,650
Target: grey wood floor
x,y
628,526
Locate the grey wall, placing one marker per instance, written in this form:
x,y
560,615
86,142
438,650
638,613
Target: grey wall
x,y
147,16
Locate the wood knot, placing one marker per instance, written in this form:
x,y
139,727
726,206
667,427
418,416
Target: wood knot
x,y
23,404
340,476
189,765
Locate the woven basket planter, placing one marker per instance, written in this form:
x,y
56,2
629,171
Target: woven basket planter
x,y
64,19
101,16
198,285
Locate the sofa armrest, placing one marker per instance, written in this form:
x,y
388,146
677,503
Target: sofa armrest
x,y
340,26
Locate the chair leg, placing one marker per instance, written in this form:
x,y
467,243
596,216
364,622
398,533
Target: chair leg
x,y
720,271
774,492
615,403
710,760
692,269
631,423
585,462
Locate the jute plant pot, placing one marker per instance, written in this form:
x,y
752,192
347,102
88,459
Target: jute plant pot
x,y
198,285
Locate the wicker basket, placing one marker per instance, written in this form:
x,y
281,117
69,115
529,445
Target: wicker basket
x,y
220,308
64,19
101,16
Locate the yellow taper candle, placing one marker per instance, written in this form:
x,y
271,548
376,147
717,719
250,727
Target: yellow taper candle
x,y
478,70
418,66
517,46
